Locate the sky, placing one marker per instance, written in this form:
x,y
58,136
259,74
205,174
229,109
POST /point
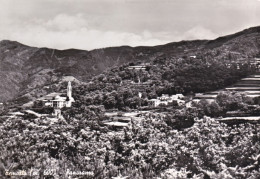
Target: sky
x,y
91,24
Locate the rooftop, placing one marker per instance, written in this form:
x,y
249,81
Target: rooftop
x,y
117,124
51,96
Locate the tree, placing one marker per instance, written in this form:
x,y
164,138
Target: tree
x,y
110,102
230,101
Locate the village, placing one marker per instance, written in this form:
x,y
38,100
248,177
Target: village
x,y
117,119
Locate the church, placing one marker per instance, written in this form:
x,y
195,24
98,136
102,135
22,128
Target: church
x,y
58,100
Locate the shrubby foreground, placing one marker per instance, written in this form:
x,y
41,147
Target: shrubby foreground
x,y
150,148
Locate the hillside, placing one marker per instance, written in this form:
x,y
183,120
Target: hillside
x,y
27,69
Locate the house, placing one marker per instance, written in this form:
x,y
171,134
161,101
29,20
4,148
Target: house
x,y
142,66
115,125
137,67
119,122
157,102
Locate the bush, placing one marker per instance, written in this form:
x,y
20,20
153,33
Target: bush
x,y
150,148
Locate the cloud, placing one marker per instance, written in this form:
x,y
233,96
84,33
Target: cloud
x,y
89,24
64,22
199,32
193,33
67,31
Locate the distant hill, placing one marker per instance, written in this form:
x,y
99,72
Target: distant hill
x,y
25,69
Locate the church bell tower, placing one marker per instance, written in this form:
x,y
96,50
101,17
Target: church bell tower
x,y
69,90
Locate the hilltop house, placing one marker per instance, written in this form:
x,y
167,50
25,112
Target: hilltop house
x,y
58,100
137,67
142,66
166,100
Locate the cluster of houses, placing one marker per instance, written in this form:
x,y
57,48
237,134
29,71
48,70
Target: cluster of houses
x,y
165,100
60,100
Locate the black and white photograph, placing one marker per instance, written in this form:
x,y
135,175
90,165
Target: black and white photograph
x,y
129,89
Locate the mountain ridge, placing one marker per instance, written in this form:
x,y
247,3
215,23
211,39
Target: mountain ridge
x,y
24,68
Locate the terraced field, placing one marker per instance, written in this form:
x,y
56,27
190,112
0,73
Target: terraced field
x,y
249,85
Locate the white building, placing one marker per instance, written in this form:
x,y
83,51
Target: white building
x,y
166,100
137,67
193,56
59,100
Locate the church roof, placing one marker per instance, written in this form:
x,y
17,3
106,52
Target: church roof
x,y
51,96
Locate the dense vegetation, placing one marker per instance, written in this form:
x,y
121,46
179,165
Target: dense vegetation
x,y
150,147
119,87
228,102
